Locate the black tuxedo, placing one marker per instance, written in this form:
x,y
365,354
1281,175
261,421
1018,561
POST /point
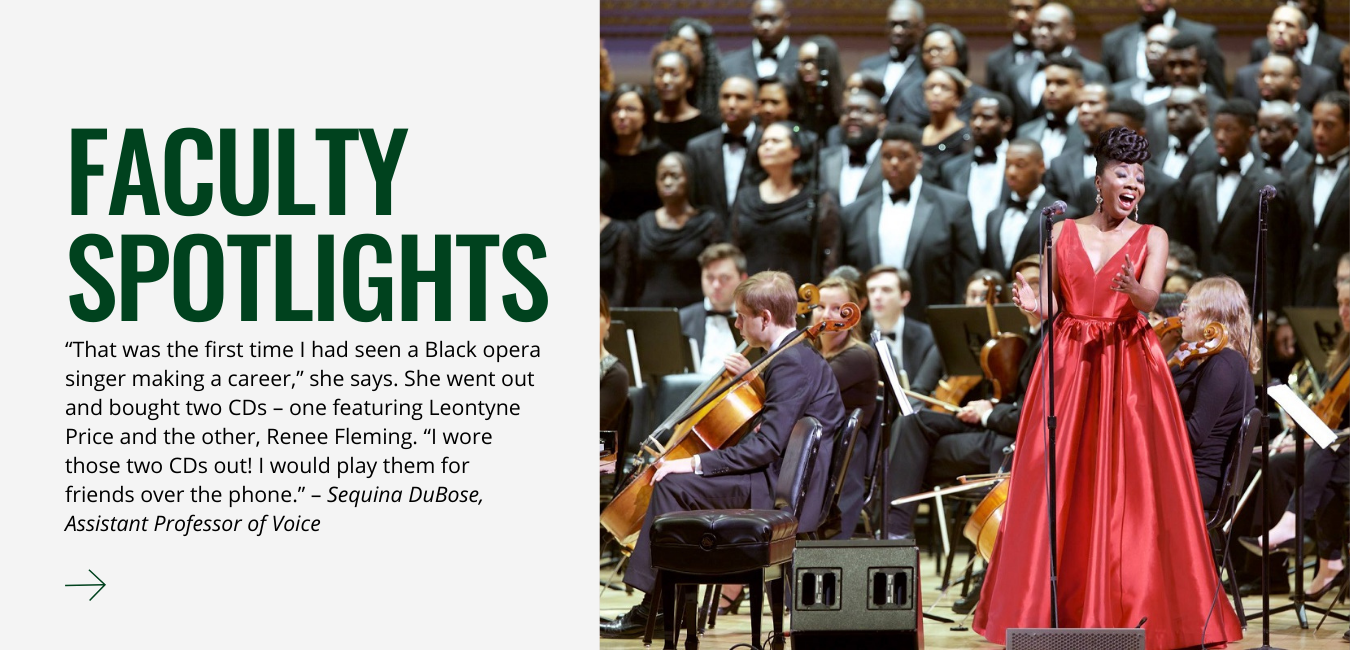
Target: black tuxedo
x,y
1156,122
1326,52
910,83
1320,248
1028,242
955,174
1120,51
1228,246
741,63
832,162
1019,85
1317,81
1296,165
797,383
918,460
941,251
1205,158
998,67
709,172
1035,130
1159,206
1064,175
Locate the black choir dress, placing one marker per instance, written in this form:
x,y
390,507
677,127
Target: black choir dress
x,y
678,134
668,274
777,236
617,258
634,181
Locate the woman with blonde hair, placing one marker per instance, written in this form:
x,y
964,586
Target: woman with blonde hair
x,y
1216,391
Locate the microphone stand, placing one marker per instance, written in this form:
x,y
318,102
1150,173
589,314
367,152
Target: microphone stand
x,y
1259,307
822,85
1047,295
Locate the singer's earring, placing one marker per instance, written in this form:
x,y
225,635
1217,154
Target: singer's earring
x,y
1136,213
1099,199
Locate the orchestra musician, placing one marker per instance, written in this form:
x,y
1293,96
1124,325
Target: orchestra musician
x,y
855,368
797,383
1325,474
1216,391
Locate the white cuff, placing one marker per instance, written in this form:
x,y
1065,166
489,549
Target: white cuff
x,y
698,466
984,419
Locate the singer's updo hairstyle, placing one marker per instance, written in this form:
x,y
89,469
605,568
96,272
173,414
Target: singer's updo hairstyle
x,y
1122,145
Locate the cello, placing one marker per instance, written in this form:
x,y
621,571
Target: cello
x,y
722,412
1001,356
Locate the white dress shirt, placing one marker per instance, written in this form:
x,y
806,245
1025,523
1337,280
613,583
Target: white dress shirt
x,y
1014,221
1324,180
1176,161
733,162
1228,184
891,77
1020,53
895,223
897,348
768,67
1305,53
981,191
718,341
851,177
1053,140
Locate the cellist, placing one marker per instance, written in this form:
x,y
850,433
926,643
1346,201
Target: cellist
x,y
797,383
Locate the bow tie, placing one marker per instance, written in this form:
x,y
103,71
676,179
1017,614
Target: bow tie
x,y
731,138
1230,167
1181,150
719,313
897,56
983,157
1152,83
1273,162
1054,122
889,335
902,195
767,53
1145,22
1329,163
1018,205
857,158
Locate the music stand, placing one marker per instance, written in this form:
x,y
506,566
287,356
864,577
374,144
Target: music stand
x,y
1315,330
661,346
620,346
961,331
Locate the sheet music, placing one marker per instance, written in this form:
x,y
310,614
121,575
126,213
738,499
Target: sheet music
x,y
888,364
1296,409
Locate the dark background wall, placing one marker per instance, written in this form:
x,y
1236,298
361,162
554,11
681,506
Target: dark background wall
x,y
630,27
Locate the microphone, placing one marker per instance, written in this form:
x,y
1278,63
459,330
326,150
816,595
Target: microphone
x,y
1268,192
1055,209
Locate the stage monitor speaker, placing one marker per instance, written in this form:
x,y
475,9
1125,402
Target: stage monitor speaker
x,y
856,594
1060,639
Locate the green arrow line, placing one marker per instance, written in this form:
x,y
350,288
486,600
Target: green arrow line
x,y
100,584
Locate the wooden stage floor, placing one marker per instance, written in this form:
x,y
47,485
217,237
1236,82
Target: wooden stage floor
x,y
731,630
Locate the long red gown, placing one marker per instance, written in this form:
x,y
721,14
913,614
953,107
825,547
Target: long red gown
x,y
1132,539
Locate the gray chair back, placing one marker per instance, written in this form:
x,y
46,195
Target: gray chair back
x,y
799,461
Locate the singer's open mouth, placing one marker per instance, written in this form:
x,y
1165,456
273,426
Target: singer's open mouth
x,y
1127,201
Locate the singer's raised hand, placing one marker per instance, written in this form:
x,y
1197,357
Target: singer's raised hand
x,y
1024,296
1125,281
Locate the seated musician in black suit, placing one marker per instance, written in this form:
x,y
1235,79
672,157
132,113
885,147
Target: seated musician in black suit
x,y
797,383
974,437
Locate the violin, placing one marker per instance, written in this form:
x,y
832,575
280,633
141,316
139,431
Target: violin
x,y
1001,356
716,415
1168,332
1214,341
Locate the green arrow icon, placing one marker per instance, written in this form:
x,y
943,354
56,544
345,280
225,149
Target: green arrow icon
x,y
100,584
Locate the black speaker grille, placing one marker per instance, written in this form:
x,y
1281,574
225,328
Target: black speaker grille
x,y
1101,639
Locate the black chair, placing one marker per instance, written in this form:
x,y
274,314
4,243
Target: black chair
x,y
1237,456
734,546
830,515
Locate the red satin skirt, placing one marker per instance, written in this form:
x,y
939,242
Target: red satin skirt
x,y
1132,539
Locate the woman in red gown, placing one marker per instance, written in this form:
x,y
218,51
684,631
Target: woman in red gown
x,y
1132,540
